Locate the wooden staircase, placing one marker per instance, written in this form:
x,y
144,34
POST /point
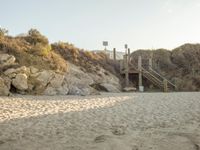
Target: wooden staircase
x,y
158,80
155,78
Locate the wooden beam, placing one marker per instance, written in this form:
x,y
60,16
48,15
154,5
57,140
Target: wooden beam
x,y
129,54
150,63
114,54
126,70
140,70
165,88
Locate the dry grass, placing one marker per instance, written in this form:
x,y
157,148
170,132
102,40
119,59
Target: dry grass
x,y
89,61
28,54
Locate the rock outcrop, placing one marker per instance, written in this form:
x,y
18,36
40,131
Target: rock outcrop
x,y
31,80
4,87
78,82
6,59
110,87
20,82
81,83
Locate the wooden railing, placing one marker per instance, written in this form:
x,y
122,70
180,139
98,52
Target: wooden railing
x,y
156,78
152,75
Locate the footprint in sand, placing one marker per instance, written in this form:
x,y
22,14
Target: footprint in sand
x,y
101,138
119,129
106,142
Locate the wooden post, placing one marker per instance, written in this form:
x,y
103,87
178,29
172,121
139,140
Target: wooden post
x,y
140,70
124,61
165,88
114,54
126,70
150,63
129,54
175,82
121,63
193,72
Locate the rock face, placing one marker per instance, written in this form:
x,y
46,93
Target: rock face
x,y
4,88
30,80
6,59
11,73
20,82
79,82
56,86
45,77
110,87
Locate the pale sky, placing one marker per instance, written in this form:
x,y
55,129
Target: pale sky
x,y
86,23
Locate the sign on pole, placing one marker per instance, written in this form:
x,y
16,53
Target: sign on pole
x,y
105,43
126,46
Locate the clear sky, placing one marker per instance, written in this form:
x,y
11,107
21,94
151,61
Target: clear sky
x,y
86,23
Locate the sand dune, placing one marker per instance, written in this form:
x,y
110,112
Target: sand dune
x,y
138,121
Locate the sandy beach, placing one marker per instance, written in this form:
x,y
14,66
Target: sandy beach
x,y
136,121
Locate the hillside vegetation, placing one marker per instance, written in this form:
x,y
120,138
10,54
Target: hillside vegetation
x,y
180,65
88,61
29,64
34,49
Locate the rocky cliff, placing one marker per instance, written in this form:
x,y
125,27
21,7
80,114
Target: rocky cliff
x,y
30,65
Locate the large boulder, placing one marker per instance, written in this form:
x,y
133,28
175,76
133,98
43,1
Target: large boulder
x,y
33,70
4,87
76,76
6,59
50,91
82,83
82,90
11,73
20,82
44,77
47,82
57,80
78,82
108,82
62,90
110,87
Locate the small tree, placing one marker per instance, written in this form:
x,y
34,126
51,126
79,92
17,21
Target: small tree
x,y
3,31
34,37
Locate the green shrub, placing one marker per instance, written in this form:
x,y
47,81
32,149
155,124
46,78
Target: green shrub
x,y
41,50
36,52
34,37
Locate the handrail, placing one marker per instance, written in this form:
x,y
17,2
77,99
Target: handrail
x,y
150,74
162,77
153,76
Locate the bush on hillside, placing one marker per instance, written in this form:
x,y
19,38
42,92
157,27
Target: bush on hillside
x,y
3,32
89,61
34,37
176,64
36,52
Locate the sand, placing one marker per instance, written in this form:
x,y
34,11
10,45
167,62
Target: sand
x,y
125,121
